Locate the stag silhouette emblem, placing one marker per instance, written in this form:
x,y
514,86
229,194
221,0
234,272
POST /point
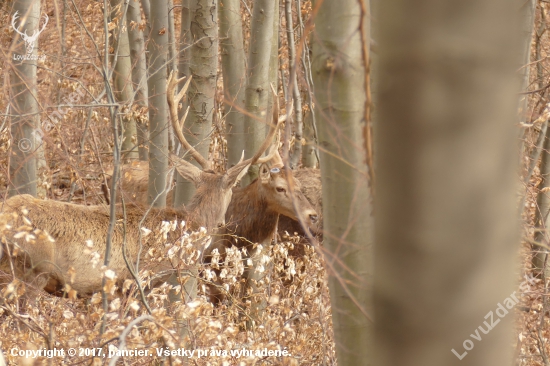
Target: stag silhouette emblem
x,y
29,40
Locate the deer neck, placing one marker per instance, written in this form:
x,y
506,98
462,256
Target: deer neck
x,y
250,216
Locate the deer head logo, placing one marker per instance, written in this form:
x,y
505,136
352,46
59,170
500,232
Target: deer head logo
x,y
29,40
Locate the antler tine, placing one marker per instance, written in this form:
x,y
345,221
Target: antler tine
x,y
273,150
173,106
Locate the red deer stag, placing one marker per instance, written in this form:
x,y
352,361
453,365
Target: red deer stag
x,y
62,261
254,211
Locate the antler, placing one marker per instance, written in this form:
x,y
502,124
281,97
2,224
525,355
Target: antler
x,y
273,127
176,123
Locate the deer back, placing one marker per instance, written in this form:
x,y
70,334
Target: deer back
x,y
77,230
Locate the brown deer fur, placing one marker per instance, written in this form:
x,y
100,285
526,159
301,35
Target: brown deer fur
x,y
254,210
310,181
72,225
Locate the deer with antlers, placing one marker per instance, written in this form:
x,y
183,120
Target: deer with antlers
x,y
57,258
253,212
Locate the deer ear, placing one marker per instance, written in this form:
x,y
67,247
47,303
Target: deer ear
x,y
234,175
264,173
186,169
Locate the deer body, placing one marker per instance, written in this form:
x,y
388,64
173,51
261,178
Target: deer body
x,y
71,226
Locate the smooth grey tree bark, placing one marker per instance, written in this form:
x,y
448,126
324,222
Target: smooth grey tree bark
x,y
274,58
122,81
338,76
184,54
184,58
158,116
173,59
254,277
296,153
203,68
25,129
257,87
139,73
446,150
234,77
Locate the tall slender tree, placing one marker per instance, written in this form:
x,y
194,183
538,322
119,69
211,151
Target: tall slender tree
x,y
203,68
338,75
184,57
158,116
234,77
257,87
309,151
139,72
122,79
296,154
273,75
25,128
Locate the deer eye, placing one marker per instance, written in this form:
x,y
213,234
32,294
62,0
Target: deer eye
x,y
275,170
280,189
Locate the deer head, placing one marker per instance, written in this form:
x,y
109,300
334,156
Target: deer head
x,y
29,40
214,191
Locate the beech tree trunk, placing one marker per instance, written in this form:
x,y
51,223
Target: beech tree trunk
x,y
203,68
25,129
446,182
234,77
257,88
158,116
122,81
338,76
274,58
139,73
184,58
296,153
